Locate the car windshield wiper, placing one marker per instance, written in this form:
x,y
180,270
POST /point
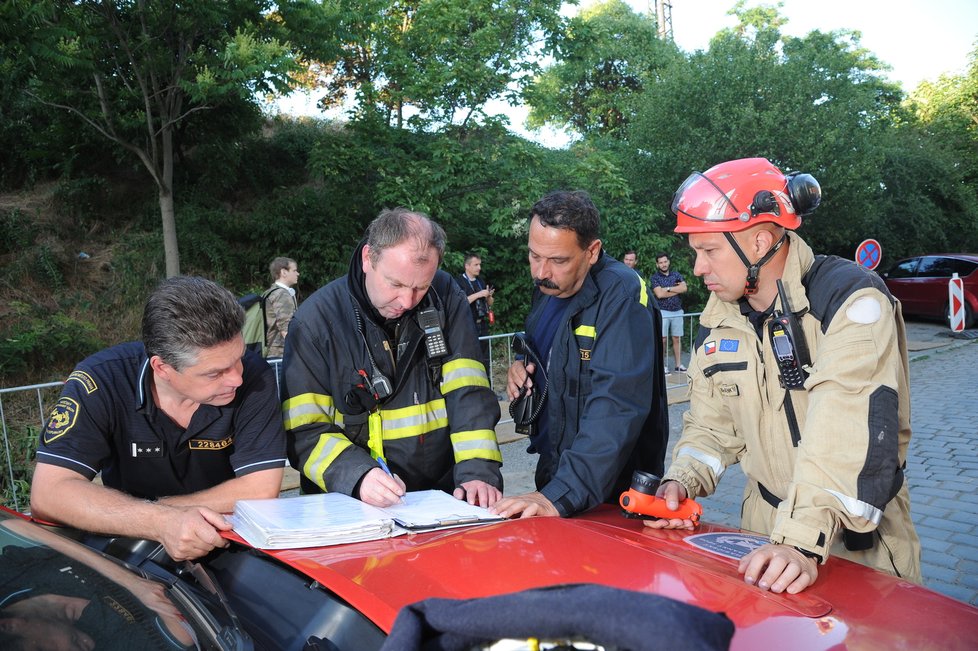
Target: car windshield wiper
x,y
232,636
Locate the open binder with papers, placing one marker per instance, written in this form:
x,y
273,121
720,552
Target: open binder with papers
x,y
335,518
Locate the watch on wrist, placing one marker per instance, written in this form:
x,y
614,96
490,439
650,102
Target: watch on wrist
x,y
809,554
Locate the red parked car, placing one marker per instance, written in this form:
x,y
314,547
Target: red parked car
x,y
920,283
347,597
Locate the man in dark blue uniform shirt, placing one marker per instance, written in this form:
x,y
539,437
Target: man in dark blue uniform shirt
x,y
180,426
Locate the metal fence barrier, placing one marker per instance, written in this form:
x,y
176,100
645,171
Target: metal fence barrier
x,y
21,395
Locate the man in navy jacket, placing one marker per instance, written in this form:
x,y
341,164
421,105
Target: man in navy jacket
x,y
595,361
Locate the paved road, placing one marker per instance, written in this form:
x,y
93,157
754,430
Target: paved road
x,y
942,469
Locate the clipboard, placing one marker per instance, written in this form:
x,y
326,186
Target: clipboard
x,y
433,509
449,523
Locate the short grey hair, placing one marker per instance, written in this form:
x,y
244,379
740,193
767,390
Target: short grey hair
x,y
396,225
187,314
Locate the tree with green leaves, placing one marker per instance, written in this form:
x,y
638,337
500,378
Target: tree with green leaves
x,y
926,203
433,62
930,173
135,71
603,58
817,104
948,110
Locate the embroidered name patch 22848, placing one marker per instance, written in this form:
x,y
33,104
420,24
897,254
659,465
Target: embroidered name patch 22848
x,y
204,444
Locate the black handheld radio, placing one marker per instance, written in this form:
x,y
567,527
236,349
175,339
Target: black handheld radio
x,y
526,407
788,341
434,338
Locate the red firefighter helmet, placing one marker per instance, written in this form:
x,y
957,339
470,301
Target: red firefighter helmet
x,y
737,194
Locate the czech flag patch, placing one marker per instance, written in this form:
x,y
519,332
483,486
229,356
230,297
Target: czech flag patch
x,y
710,347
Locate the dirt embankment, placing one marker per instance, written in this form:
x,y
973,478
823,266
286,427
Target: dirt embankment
x,y
56,270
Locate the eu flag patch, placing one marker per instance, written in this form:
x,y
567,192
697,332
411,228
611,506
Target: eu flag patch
x,y
710,347
729,345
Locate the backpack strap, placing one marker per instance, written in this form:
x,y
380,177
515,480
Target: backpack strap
x,y
264,315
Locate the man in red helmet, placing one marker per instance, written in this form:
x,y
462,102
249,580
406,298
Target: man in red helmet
x,y
800,374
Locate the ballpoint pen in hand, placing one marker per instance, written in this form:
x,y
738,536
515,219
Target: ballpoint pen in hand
x,y
383,466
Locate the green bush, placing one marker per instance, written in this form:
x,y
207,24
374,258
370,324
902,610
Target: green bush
x,y
46,267
17,231
35,340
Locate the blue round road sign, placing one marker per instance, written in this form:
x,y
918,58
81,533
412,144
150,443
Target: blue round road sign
x,y
868,254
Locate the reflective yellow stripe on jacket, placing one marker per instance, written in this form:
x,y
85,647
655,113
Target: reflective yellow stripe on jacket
x,y
328,447
586,331
476,444
414,420
390,424
309,408
463,372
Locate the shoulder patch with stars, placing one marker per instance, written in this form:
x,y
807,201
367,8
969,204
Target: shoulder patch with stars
x,y
62,419
83,379
146,449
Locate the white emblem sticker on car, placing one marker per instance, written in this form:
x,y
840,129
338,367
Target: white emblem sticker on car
x,y
730,545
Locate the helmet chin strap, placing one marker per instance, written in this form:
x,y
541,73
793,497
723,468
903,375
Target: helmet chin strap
x,y
753,270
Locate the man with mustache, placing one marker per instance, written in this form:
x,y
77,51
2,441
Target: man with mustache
x,y
595,366
180,425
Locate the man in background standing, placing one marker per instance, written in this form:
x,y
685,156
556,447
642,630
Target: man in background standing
x,y
667,285
280,304
630,260
479,296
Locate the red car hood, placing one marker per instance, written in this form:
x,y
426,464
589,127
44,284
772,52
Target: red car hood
x,y
850,606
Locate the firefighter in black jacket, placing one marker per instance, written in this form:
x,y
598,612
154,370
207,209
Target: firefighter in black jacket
x,y
384,391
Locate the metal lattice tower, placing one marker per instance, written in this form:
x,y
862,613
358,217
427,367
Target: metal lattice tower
x,y
663,18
